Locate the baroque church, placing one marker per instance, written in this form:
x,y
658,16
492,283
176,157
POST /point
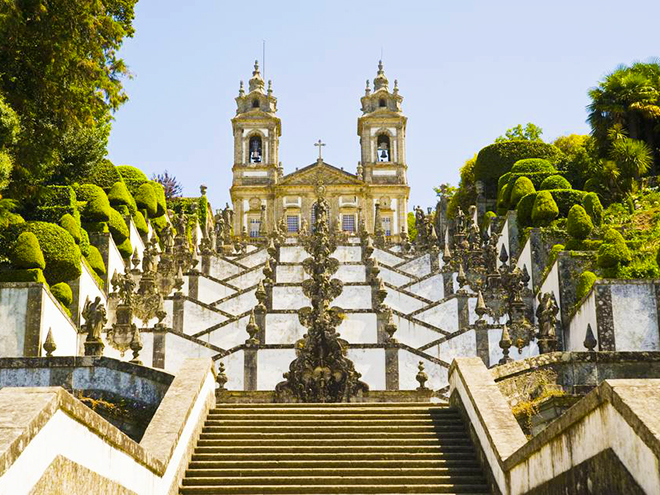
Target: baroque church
x,y
376,194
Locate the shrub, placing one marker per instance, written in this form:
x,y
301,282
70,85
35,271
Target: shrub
x,y
54,202
96,262
6,166
579,224
161,203
117,227
524,210
29,275
497,159
84,243
521,188
503,181
159,223
545,209
133,177
592,185
554,252
27,252
61,254
10,124
584,285
566,198
488,218
97,227
125,249
532,165
97,207
119,196
140,223
555,182
62,293
146,200
593,207
613,252
504,197
68,223
104,175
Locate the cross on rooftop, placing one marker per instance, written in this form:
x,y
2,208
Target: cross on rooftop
x,y
320,144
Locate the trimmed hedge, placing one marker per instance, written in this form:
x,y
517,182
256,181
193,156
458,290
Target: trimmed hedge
x,y
159,223
133,177
584,285
27,253
120,196
545,209
68,223
84,243
524,210
118,227
140,223
592,185
555,182
521,188
104,175
614,251
593,207
125,249
62,293
146,200
161,203
566,198
54,202
497,159
96,262
504,180
533,165
60,251
96,207
579,224
30,275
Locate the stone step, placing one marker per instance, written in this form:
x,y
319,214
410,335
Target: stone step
x,y
316,457
334,422
266,442
316,416
330,405
304,463
314,449
446,488
335,410
331,480
277,471
313,430
211,433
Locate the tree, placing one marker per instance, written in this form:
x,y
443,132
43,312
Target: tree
x,y
630,98
173,188
466,193
579,160
60,73
530,132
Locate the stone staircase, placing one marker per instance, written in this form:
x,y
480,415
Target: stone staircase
x,y
334,448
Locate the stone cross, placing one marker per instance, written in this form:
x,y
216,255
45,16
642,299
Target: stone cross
x,y
320,144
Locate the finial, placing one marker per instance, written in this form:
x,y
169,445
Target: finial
x,y
481,309
396,86
270,87
49,344
590,341
380,66
256,68
367,90
421,377
241,91
221,378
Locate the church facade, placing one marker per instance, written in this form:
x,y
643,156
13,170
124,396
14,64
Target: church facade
x,y
263,196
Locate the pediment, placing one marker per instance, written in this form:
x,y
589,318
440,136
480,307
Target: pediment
x,y
320,173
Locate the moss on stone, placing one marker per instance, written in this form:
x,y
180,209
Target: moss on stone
x,y
62,293
521,188
545,209
578,224
27,253
555,182
613,252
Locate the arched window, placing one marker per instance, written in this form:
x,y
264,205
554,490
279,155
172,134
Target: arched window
x,y
255,103
382,103
383,151
255,149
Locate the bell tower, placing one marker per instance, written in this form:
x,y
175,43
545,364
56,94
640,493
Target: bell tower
x,y
257,132
382,131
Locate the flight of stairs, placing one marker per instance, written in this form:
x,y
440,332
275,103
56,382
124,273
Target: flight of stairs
x,y
334,448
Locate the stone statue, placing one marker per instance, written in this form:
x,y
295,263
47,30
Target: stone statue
x,y
95,318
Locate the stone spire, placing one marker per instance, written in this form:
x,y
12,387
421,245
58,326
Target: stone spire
x,y
257,82
380,82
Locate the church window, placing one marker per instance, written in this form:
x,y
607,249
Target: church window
x,y
255,226
255,103
387,226
292,223
381,103
348,223
255,149
383,148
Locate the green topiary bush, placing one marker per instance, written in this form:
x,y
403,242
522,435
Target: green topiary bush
x,y
521,188
614,251
27,252
554,252
533,165
62,293
96,262
29,275
584,285
61,254
120,196
579,224
104,175
125,249
555,182
161,203
53,203
133,177
592,185
159,223
68,223
545,209
497,159
593,207
146,200
84,243
504,197
140,224
566,198
96,207
118,227
524,210
503,181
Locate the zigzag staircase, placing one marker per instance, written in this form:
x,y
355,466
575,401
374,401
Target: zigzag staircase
x,y
334,448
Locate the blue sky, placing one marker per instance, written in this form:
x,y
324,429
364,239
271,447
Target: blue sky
x,y
467,70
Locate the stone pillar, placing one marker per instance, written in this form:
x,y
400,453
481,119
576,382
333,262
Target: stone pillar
x,y
391,368
604,317
31,347
177,311
481,336
193,284
250,368
448,283
206,264
158,358
463,310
